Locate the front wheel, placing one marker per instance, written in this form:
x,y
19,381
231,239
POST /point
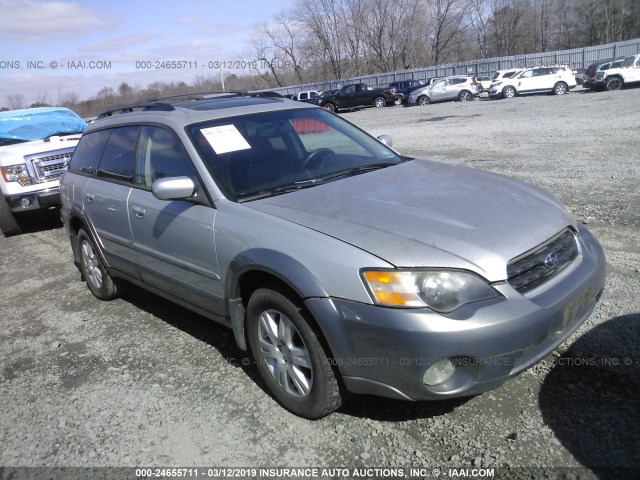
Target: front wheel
x,y
8,223
423,100
379,102
508,92
289,355
330,106
560,88
94,272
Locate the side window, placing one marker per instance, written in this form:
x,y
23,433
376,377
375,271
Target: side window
x,y
117,159
161,154
86,156
349,90
527,74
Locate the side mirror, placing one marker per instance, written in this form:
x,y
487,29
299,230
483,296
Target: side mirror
x,y
386,139
173,188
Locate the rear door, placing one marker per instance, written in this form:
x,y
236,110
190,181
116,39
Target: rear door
x,y
104,198
173,238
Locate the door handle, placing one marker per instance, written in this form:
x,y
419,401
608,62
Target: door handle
x,y
139,211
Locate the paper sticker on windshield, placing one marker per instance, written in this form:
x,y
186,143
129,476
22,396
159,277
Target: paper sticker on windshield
x,y
225,139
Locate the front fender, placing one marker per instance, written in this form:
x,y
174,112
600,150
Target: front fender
x,y
273,263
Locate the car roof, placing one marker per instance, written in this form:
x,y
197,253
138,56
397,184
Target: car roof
x,y
186,112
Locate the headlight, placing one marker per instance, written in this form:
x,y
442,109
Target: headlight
x,y
16,173
441,290
496,84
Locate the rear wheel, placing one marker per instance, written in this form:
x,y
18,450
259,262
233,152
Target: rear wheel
x,y
508,92
94,272
560,88
465,96
379,102
8,223
423,100
614,83
289,355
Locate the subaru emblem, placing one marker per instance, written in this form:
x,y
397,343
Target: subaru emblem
x,y
551,260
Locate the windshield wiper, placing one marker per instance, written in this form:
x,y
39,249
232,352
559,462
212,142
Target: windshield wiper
x,y
280,190
354,171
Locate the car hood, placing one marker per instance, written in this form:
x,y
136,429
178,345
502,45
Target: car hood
x,y
428,214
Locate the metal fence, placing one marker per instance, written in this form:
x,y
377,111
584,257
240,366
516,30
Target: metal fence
x,y
575,58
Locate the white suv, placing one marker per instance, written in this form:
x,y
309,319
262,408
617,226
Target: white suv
x,y
558,80
618,75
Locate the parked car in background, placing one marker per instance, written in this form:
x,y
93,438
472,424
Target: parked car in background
x,y
341,265
506,73
321,100
619,73
35,147
589,76
448,88
308,96
404,88
558,80
358,95
485,82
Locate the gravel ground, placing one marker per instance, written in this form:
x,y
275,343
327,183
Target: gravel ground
x,y
141,382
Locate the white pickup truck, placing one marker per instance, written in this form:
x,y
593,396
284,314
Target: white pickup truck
x,y
36,145
616,78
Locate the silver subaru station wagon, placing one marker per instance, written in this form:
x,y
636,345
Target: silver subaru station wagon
x,y
342,265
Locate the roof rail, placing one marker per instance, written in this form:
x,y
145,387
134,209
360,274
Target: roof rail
x,y
161,104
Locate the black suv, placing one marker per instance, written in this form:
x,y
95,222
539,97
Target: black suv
x,y
404,88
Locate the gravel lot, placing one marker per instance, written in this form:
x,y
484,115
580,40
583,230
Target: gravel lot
x,y
141,382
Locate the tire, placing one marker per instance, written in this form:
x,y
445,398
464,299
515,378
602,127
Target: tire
x,y
398,101
422,101
508,92
560,88
614,83
465,96
379,102
289,356
8,223
94,272
331,107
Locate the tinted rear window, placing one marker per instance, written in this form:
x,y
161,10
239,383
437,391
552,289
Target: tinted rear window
x,y
118,157
88,152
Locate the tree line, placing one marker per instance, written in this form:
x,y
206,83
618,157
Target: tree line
x,y
321,40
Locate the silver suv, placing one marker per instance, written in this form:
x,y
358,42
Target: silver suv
x,y
456,87
340,264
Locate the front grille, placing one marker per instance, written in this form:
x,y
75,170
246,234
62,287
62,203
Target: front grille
x,y
50,167
544,263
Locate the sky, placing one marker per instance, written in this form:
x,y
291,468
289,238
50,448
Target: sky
x,y
52,48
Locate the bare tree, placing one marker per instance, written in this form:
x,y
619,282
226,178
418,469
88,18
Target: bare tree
x,y
283,38
324,19
446,19
478,15
16,101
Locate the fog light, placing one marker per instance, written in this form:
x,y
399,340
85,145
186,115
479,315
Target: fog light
x,y
25,202
439,372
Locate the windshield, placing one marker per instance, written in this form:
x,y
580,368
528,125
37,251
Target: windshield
x,y
268,153
38,123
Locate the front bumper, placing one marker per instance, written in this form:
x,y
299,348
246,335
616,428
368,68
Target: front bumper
x,y
34,200
386,351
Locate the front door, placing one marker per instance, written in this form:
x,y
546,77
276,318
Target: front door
x,y
173,238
